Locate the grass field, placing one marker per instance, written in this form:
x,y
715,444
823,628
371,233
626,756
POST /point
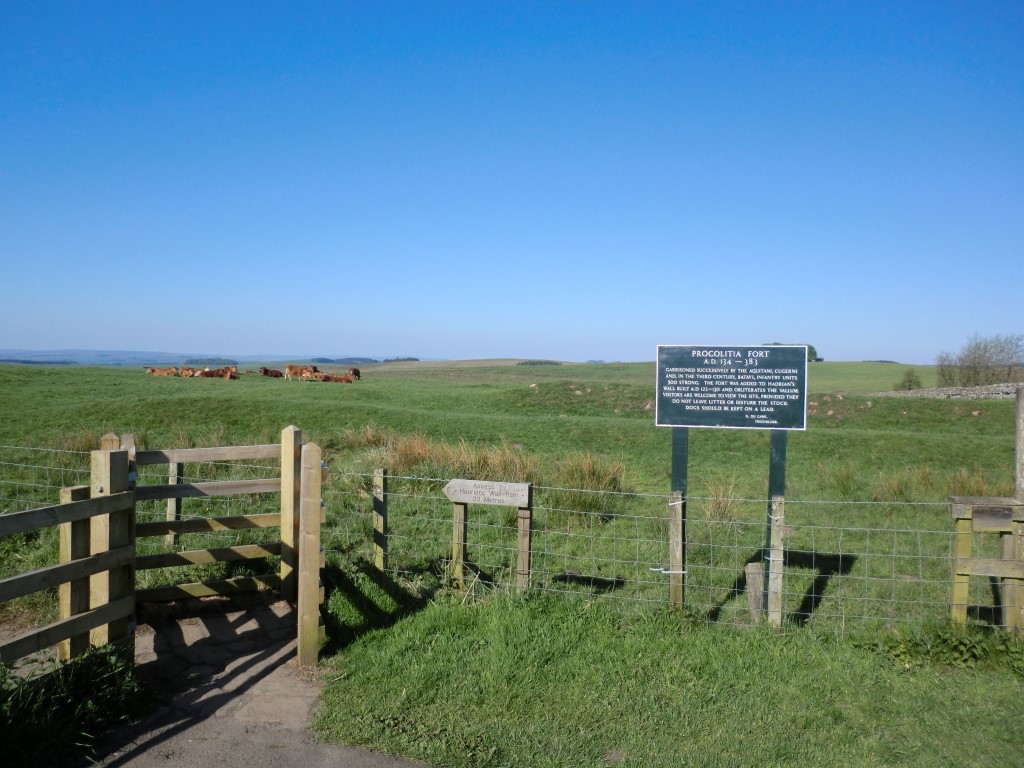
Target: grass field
x,y
495,678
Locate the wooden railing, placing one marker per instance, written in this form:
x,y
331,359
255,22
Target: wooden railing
x,y
98,535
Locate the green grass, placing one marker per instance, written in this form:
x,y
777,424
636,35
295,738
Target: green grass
x,y
54,718
579,680
540,681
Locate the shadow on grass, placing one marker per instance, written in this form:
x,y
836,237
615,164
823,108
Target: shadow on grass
x,y
994,615
592,583
359,599
826,564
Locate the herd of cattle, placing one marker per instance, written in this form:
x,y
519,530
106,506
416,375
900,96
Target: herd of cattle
x,y
301,372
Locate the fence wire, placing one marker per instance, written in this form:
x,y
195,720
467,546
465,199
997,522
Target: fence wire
x,y
846,563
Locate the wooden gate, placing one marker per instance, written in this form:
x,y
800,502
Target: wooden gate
x,y
96,576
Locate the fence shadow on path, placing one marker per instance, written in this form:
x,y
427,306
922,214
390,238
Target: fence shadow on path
x,y
199,657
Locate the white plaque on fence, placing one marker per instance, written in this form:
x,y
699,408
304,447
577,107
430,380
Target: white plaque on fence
x,y
488,492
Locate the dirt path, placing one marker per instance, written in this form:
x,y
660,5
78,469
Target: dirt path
x,y
237,698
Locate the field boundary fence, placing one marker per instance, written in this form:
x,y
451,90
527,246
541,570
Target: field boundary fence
x,y
841,564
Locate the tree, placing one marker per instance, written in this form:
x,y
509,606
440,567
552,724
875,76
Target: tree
x,y
983,360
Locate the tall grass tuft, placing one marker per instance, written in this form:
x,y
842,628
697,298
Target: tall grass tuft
x,y
719,504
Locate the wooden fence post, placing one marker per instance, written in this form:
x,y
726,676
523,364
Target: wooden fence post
x,y
73,596
1013,542
308,575
962,543
677,549
459,542
113,531
380,519
524,519
754,573
291,484
175,476
776,558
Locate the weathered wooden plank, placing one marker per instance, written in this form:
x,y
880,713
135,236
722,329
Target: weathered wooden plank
x,y
961,582
109,474
983,566
290,452
488,492
776,561
73,597
45,517
204,556
54,575
992,519
212,488
197,455
222,587
50,635
754,573
310,595
207,524
677,550
459,543
380,519
524,537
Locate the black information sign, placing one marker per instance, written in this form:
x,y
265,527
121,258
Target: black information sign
x,y
738,387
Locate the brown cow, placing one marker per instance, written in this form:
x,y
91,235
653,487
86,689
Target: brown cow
x,y
354,373
188,373
162,371
346,379
271,372
304,372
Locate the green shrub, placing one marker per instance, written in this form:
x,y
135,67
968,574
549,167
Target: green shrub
x,y
909,381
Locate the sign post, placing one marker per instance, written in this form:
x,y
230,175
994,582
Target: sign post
x,y
732,387
462,493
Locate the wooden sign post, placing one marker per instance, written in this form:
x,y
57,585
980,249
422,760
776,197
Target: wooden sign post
x,y
462,493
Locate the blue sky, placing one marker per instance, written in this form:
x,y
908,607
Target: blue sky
x,y
481,179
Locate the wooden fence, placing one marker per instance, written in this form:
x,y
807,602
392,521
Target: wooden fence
x,y
95,578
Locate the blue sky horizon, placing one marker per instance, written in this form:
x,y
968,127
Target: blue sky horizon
x,y
555,180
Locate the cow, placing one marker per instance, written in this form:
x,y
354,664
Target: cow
x,y
227,372
162,371
304,372
271,372
188,373
312,373
354,373
346,379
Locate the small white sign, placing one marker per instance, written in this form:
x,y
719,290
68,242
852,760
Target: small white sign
x,y
488,492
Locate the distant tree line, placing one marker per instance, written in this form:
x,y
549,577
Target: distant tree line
x,y
983,360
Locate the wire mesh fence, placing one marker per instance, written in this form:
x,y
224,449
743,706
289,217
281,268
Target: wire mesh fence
x,y
846,563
